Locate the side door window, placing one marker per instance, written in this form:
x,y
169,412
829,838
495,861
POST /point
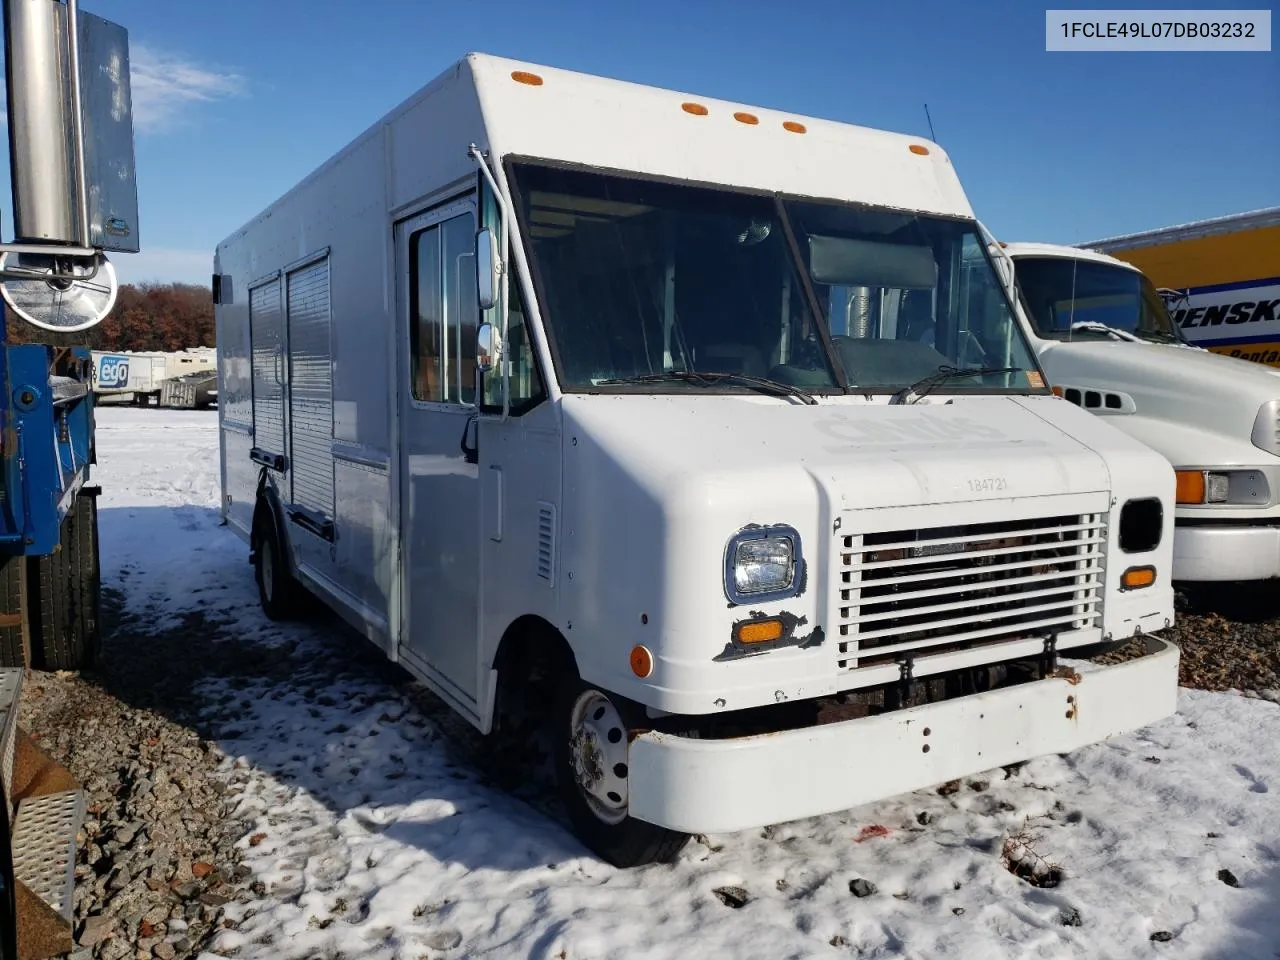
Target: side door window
x,y
443,313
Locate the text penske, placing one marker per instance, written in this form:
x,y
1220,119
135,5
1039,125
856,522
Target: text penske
x,y
1243,311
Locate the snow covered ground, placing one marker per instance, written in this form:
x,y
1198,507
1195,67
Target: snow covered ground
x,y
373,840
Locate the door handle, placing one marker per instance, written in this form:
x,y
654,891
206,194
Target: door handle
x,y
471,453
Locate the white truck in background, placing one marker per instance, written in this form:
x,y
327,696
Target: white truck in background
x,y
1107,343
139,376
683,422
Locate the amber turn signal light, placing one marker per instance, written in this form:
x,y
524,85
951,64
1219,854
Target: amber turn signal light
x,y
1190,488
641,661
1137,577
758,631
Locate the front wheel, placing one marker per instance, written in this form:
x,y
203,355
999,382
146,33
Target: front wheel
x,y
594,779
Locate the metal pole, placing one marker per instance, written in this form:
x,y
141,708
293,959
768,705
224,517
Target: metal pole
x,y
39,161
77,125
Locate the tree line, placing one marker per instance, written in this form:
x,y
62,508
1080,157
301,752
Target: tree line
x,y
146,316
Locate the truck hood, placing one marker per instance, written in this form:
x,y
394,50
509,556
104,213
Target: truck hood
x,y
1194,406
866,455
655,488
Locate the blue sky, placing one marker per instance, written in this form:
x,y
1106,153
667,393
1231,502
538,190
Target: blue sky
x,y
237,100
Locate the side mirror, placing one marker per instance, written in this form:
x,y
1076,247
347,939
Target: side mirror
x,y
488,269
486,347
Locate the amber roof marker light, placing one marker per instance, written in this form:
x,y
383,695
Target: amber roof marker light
x,y
794,126
919,149
525,77
697,109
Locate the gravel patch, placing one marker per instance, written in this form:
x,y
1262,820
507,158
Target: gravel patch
x,y
157,857
159,870
1230,638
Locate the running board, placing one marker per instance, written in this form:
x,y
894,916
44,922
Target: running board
x,y
44,844
10,688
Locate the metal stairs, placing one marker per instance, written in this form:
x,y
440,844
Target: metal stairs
x,y
45,809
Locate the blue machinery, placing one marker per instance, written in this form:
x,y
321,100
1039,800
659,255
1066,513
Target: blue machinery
x,y
47,442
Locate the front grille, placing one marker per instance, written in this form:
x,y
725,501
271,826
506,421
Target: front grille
x,y
944,589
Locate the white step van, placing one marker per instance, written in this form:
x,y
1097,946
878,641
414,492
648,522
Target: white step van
x,y
1107,343
563,391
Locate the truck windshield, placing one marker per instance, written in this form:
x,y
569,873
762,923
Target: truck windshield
x,y
640,278
1069,299
905,294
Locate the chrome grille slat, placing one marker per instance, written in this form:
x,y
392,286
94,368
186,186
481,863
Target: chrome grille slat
x,y
878,653
948,591
992,552
978,537
989,617
1069,590
966,587
994,568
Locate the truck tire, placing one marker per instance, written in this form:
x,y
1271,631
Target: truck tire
x,y
13,583
278,591
591,771
65,605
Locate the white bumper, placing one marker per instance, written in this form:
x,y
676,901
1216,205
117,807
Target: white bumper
x,y
1203,553
720,786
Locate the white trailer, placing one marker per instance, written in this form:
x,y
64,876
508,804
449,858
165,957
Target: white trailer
x,y
128,374
1108,344
140,375
564,392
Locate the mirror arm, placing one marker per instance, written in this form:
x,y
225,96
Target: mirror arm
x,y
504,219
1011,286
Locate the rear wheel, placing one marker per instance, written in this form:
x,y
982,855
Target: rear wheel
x,y
65,622
591,746
13,585
278,591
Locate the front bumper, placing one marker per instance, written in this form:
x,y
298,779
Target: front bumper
x,y
720,786
1228,552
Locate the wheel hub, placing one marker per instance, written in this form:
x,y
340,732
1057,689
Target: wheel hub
x,y
598,752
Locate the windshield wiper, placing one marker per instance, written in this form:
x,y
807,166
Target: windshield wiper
x,y
1136,336
1160,336
712,376
1094,327
944,373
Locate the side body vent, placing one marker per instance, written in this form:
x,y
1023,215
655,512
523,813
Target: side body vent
x,y
1099,401
547,541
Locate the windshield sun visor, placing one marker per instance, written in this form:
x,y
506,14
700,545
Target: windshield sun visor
x,y
848,261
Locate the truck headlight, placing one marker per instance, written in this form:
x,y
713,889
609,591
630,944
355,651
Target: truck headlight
x,y
1266,427
763,563
1241,488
